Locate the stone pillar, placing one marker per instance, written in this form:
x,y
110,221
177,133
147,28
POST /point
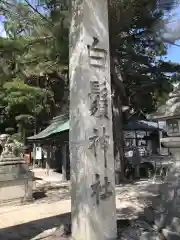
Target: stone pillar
x,y
91,141
64,156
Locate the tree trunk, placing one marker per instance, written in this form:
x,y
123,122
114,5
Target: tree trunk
x,y
118,99
48,159
118,136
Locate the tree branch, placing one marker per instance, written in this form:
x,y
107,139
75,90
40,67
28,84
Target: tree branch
x,y
36,11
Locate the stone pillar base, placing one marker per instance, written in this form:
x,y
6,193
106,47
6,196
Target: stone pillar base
x,y
16,182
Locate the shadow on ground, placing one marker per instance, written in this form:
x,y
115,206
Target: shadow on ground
x,y
37,178
134,200
31,230
39,195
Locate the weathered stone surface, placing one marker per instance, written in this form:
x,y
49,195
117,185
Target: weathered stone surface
x,y
62,233
143,226
91,140
45,234
64,230
172,106
130,233
13,170
174,225
169,208
16,181
149,215
149,236
170,235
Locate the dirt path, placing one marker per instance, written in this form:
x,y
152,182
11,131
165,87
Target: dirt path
x,y
11,216
27,221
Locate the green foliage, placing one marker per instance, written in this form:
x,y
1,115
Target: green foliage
x,y
35,51
22,103
45,48
21,96
34,56
137,54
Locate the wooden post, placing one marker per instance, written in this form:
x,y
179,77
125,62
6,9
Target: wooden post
x,y
91,141
48,160
64,156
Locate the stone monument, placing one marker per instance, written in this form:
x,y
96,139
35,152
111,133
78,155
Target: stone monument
x,y
16,181
91,141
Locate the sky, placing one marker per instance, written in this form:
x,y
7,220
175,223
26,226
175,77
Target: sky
x,y
174,53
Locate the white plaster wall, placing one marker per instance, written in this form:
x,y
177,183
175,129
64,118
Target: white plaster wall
x,y
89,221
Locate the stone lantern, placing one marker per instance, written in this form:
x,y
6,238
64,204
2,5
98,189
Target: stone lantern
x,y
170,113
169,220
